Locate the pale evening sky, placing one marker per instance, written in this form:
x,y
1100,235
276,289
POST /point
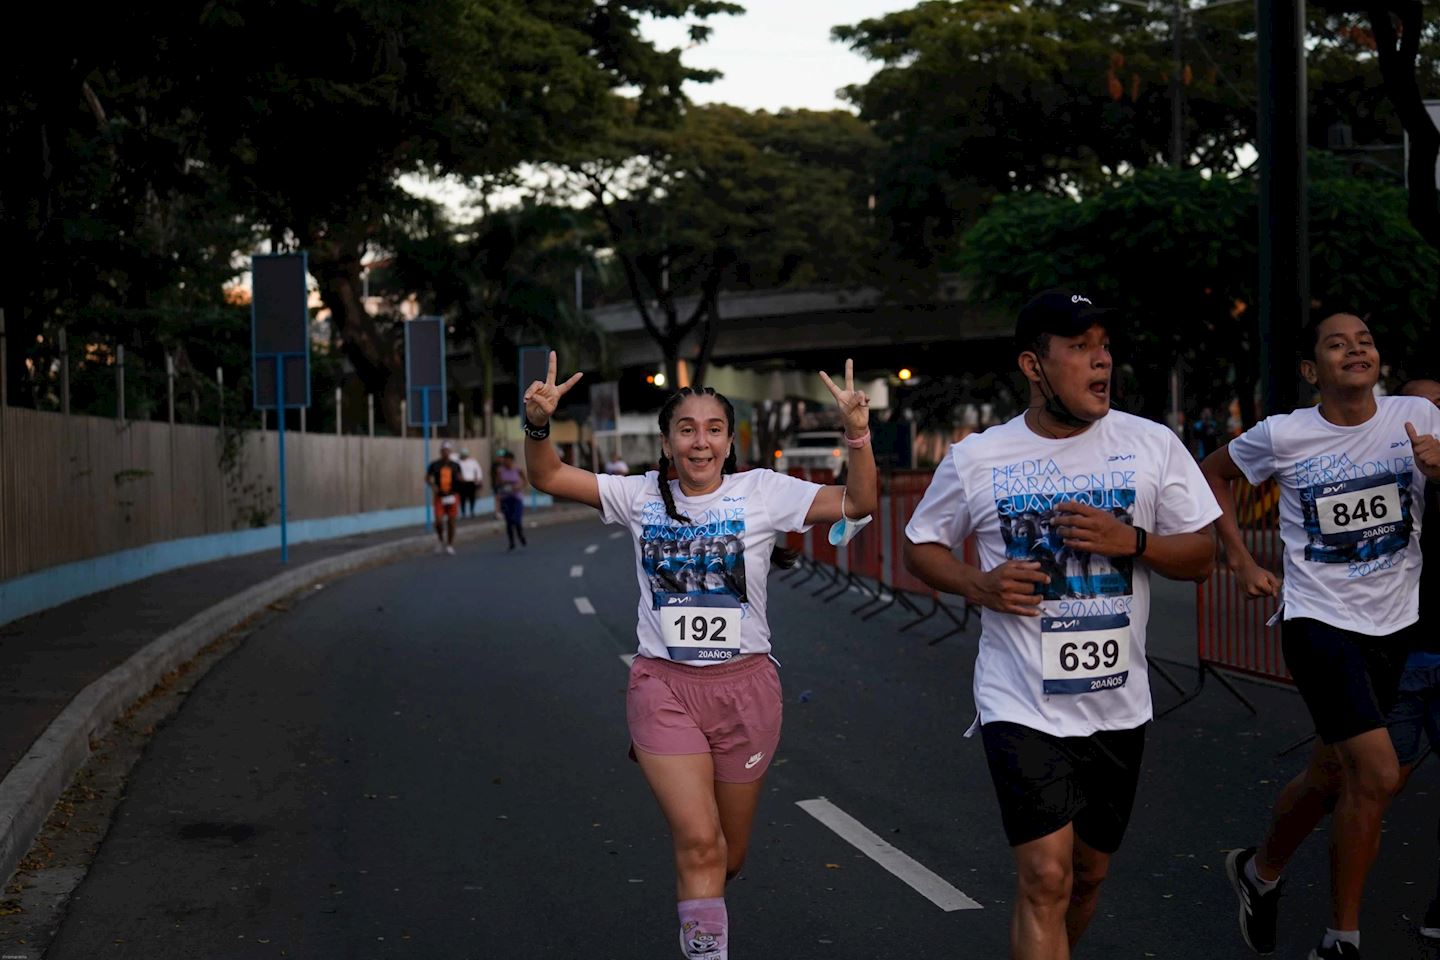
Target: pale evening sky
x,y
777,54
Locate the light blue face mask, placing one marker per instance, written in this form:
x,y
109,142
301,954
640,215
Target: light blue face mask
x,y
844,530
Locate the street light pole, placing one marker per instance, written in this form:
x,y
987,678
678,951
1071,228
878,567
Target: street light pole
x,y
1284,219
1177,93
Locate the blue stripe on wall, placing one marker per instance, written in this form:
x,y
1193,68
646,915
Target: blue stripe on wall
x,y
56,585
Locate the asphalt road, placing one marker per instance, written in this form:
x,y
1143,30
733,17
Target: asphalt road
x,y
428,760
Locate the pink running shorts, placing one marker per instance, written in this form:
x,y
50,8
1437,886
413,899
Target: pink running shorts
x,y
728,710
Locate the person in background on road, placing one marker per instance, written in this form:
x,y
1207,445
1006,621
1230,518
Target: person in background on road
x,y
704,702
1417,708
616,466
1206,433
443,478
1351,473
1061,685
510,484
471,480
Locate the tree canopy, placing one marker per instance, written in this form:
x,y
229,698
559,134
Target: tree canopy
x,y
980,98
1178,251
726,198
180,132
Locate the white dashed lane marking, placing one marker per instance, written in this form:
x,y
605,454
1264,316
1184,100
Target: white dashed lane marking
x,y
592,548
577,571
584,605
922,880
617,534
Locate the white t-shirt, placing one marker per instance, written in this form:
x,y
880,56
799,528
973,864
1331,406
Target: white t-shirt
x,y
703,584
1079,667
470,470
1351,503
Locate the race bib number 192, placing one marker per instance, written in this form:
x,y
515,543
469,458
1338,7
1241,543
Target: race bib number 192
x,y
699,628
1085,654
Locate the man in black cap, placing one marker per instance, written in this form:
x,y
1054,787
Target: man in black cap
x,y
1061,688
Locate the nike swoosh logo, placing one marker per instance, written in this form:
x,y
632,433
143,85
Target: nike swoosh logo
x,y
754,760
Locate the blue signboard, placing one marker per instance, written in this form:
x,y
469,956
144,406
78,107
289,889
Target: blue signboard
x,y
280,331
425,404
280,347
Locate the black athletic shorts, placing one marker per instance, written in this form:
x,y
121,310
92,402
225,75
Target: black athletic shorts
x,y
1044,782
1349,681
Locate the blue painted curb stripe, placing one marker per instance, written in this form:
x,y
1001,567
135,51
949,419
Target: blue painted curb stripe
x,y
61,584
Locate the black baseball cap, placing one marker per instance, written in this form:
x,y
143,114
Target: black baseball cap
x,y
1062,313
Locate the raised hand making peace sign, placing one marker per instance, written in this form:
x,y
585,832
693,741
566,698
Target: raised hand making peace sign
x,y
854,405
541,399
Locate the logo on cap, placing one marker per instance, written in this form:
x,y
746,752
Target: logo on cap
x,y
1077,298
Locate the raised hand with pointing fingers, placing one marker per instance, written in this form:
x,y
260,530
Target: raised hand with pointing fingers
x,y
854,404
541,399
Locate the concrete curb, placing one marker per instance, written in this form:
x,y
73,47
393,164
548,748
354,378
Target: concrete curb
x,y
32,786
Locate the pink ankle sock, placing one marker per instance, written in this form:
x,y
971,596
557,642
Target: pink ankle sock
x,y
703,929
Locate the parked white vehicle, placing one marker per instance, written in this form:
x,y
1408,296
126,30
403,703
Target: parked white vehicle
x,y
813,449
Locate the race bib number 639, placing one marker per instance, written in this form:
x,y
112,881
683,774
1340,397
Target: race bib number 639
x,y
1085,654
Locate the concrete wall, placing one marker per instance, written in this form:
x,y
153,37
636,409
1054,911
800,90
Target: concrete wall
x,y
87,503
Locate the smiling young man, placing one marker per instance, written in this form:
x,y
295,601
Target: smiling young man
x,y
1061,687
1351,472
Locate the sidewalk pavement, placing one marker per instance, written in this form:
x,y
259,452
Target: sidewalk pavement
x,y
51,657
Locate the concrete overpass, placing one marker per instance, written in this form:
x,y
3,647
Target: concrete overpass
x,y
765,325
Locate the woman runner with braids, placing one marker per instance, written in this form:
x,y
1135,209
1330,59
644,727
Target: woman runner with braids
x,y
703,702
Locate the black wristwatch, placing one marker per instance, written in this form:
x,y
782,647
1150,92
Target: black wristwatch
x,y
534,432
1140,541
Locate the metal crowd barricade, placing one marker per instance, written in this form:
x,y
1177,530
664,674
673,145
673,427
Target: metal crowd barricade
x,y
871,564
1231,635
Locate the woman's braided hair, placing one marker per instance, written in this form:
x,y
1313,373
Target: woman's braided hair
x,y
779,556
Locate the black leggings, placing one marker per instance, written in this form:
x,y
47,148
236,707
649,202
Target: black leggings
x,y
514,510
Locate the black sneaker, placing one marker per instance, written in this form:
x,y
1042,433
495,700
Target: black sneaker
x,y
1430,926
1257,910
1339,950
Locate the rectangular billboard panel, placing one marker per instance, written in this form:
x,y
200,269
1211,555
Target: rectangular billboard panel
x,y
425,372
605,407
280,328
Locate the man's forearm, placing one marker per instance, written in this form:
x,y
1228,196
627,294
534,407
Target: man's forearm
x,y
941,569
1236,553
1181,556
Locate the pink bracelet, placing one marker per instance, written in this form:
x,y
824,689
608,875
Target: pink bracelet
x,y
858,442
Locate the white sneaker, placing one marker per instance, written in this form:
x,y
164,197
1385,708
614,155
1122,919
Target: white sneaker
x,y
450,550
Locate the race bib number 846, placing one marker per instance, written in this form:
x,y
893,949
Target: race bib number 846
x,y
1085,654
1358,510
